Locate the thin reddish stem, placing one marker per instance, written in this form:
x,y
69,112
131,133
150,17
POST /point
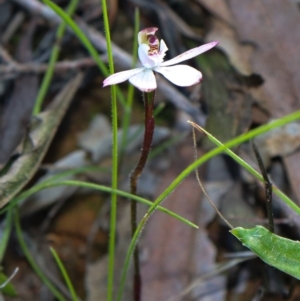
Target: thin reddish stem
x,y
148,135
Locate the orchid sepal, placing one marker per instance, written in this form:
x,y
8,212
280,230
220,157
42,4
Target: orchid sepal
x,y
189,54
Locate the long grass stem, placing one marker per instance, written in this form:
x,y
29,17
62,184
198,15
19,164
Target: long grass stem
x,y
114,176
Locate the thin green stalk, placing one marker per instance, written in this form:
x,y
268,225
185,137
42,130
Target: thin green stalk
x,y
53,59
31,261
6,233
64,274
114,184
234,142
130,95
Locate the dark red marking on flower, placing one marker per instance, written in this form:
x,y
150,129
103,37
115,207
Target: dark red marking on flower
x,y
153,44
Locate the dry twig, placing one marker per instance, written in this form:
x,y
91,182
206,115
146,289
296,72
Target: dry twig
x,y
13,69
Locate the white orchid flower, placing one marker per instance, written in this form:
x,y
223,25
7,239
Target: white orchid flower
x,y
151,54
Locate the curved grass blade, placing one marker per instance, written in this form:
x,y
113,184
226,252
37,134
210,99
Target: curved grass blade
x,y
85,41
64,274
249,168
53,58
31,261
49,184
80,35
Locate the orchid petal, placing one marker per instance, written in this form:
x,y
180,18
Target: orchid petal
x,y
148,61
180,75
121,76
163,48
144,81
189,54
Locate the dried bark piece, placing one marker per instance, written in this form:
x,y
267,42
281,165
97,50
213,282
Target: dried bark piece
x,y
270,26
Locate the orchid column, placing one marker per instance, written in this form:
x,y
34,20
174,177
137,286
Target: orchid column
x,y
151,54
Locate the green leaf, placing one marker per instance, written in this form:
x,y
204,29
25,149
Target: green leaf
x,y
278,252
42,130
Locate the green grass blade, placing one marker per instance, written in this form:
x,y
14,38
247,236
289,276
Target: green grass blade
x,y
114,179
84,40
53,59
252,171
31,261
130,94
6,233
64,274
80,35
49,184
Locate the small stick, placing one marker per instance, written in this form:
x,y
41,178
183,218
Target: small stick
x,y
6,57
14,69
268,187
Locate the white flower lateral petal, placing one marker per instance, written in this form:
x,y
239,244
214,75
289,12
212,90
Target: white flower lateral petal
x,y
120,77
181,75
151,54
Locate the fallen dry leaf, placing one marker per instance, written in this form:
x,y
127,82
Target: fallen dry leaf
x,y
42,131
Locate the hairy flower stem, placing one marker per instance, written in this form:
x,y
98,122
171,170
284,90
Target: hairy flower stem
x,y
148,135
